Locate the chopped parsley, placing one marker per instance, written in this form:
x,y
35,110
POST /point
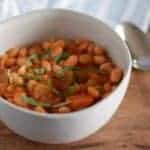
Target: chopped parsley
x,y
46,53
33,102
39,71
31,76
33,56
62,56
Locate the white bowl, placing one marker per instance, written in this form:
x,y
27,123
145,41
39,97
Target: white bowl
x,y
62,128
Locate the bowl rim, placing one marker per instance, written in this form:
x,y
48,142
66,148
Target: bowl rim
x,y
70,114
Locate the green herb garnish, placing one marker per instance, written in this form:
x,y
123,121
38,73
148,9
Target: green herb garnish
x,y
33,56
60,73
32,77
71,90
46,53
33,102
68,68
61,56
39,71
61,104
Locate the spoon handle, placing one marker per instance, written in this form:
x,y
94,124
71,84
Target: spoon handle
x,y
138,44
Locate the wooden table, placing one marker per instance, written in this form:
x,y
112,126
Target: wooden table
x,y
129,128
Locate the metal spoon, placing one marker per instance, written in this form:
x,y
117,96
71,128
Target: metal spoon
x,y
138,44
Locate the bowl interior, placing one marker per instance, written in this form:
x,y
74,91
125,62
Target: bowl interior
x,y
42,25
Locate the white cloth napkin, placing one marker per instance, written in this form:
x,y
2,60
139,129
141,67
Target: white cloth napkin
x,y
110,11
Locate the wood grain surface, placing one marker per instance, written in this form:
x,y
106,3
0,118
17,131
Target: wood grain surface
x,y
129,128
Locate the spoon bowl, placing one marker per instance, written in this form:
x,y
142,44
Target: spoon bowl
x,y
137,43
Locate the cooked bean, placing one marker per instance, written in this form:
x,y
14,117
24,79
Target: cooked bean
x,y
9,92
98,50
90,48
22,70
46,45
22,52
80,101
71,61
91,82
99,59
3,87
30,85
47,65
10,62
41,92
59,43
21,61
12,52
64,109
108,66
82,88
56,51
107,87
4,76
16,79
57,76
85,59
18,99
95,77
83,46
93,92
40,109
116,75
10,88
